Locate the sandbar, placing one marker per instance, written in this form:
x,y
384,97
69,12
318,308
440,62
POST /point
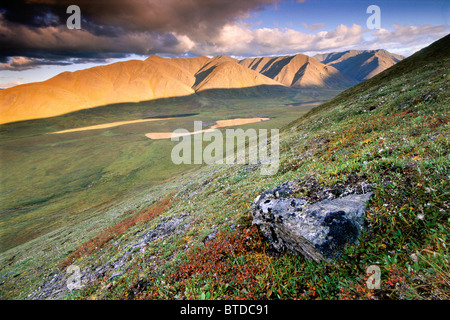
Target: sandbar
x,y
219,124
109,125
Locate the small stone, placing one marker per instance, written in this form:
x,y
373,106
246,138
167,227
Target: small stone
x,y
414,258
116,274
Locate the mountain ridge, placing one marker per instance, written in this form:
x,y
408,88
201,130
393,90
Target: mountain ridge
x,y
299,71
158,77
360,65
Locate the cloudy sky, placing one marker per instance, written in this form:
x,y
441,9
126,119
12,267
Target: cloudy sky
x,y
35,43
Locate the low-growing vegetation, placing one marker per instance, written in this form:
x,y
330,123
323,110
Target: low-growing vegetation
x,y
390,132
132,219
395,141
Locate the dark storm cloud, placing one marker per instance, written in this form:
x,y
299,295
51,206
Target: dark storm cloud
x,y
18,61
36,15
196,18
36,30
33,28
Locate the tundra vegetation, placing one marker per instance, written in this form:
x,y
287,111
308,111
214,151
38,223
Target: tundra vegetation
x,y
192,237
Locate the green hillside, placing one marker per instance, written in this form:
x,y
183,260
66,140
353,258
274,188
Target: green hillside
x,y
390,132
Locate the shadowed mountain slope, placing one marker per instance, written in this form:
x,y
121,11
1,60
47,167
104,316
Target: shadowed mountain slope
x,y
437,52
227,73
360,64
130,81
299,71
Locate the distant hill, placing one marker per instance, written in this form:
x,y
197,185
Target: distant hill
x,y
387,135
129,81
437,52
334,70
226,73
299,71
157,77
360,65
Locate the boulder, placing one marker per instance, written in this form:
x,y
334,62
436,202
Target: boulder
x,y
319,231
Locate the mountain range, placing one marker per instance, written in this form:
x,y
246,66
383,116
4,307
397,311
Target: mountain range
x,y
157,77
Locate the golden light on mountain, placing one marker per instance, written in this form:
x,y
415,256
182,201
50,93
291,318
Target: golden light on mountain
x,y
129,81
157,77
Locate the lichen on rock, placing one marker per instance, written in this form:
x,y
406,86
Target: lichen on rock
x,y
319,231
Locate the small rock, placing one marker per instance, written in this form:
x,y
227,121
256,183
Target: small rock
x,y
116,274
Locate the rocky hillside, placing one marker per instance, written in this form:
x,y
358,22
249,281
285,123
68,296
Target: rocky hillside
x,y
383,143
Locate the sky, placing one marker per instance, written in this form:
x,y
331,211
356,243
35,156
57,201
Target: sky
x,y
36,44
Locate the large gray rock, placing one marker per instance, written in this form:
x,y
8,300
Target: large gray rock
x,y
318,231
